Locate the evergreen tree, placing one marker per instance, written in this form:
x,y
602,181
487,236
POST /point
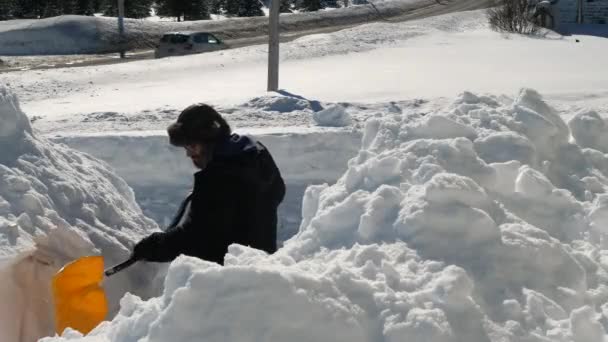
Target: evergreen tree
x,y
84,7
216,6
29,9
66,6
285,6
189,9
133,8
138,8
329,3
97,5
250,8
196,10
169,8
231,7
7,7
52,8
46,8
310,5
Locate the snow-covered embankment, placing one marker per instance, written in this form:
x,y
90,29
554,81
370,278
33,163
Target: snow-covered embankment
x,y
57,204
481,222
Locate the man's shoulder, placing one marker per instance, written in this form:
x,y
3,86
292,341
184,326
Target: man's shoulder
x,y
229,170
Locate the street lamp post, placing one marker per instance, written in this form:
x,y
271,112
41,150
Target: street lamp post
x,y
121,27
273,46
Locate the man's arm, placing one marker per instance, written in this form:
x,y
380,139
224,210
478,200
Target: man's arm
x,y
204,231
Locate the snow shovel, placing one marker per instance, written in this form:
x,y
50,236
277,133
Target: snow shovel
x,y
80,301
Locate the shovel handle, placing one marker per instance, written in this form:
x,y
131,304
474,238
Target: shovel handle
x,y
113,270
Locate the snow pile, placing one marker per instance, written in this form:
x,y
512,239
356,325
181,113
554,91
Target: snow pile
x,y
590,130
282,103
60,35
334,116
276,110
56,205
495,188
479,222
330,297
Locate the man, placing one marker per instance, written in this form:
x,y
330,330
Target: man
x,y
235,197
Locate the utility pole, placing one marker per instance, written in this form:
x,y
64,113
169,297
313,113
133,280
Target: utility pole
x,y
273,46
121,27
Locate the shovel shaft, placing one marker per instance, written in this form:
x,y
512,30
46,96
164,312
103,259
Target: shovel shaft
x,y
113,270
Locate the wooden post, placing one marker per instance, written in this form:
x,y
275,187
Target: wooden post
x,y
121,27
273,46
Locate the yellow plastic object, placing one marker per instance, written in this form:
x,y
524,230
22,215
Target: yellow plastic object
x,y
80,301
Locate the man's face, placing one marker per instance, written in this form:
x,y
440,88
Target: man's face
x,y
197,152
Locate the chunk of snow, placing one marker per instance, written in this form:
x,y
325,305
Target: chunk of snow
x,y
334,116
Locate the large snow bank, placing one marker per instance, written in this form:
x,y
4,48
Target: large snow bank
x,y
60,35
56,204
480,222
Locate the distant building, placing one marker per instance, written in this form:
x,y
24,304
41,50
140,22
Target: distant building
x,y
592,11
571,16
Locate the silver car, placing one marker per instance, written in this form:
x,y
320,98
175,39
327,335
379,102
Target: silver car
x,y
186,43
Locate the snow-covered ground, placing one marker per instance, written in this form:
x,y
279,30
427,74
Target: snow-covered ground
x,y
71,34
460,216
435,57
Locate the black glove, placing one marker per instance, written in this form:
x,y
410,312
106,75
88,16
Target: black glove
x,y
149,248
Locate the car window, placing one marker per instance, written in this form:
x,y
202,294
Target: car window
x,y
179,39
213,40
165,38
201,38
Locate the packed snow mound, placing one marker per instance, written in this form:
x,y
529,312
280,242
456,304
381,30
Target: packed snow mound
x,y
274,110
493,186
281,103
482,221
334,116
59,35
56,204
13,122
590,130
13,125
257,298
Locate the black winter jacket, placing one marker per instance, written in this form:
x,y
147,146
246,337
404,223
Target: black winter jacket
x,y
234,200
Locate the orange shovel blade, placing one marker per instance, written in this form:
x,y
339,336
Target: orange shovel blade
x,y
80,301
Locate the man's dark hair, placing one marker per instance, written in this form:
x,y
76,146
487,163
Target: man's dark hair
x,y
199,123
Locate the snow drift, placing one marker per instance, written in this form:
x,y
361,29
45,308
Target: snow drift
x,y
56,204
484,221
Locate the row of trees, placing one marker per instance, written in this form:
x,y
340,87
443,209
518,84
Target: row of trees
x,y
180,9
46,8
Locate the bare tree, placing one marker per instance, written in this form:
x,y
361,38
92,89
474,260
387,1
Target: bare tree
x,y
512,16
